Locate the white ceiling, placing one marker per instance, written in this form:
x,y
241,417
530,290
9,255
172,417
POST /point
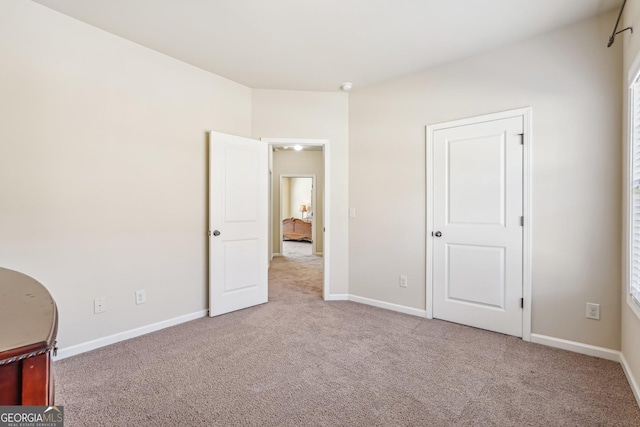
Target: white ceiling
x,y
318,44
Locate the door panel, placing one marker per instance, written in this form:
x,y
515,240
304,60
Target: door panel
x,y
476,177
477,261
241,189
238,203
237,255
475,275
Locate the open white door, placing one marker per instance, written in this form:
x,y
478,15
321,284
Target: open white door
x,y
238,231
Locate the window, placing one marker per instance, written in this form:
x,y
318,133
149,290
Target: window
x,y
634,198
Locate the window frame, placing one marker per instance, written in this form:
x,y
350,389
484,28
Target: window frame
x,y
632,78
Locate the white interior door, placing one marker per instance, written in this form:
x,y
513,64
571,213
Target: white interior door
x,y
238,231
477,210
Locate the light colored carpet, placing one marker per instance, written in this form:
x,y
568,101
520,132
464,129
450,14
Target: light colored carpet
x,y
300,361
291,248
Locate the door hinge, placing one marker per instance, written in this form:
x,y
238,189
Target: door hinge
x,y
522,221
521,302
522,139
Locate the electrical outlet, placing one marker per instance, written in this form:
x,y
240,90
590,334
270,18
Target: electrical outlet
x,y
403,281
141,297
593,311
99,305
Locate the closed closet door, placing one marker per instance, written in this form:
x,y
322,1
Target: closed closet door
x,y
477,229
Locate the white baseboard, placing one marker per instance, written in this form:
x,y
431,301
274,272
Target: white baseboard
x,y
275,255
338,297
632,381
122,336
577,347
388,306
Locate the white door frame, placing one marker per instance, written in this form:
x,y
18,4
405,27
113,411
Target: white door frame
x,y
324,143
525,113
313,204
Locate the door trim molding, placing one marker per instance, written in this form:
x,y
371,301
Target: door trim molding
x,y
526,114
325,144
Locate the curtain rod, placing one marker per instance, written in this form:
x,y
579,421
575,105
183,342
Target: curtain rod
x,y
613,35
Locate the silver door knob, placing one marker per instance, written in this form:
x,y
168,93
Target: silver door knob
x,y
216,233
438,234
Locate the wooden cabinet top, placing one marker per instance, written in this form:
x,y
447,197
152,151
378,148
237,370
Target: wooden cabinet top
x,y
28,316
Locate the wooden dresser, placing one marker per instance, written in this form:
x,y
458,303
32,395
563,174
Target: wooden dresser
x,y
28,327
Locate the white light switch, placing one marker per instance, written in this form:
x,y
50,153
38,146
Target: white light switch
x,y
141,297
352,212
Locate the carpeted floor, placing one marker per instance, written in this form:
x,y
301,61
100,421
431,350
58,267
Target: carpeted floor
x,y
292,248
301,361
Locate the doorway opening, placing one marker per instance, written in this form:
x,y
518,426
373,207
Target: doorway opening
x,y
298,224
299,204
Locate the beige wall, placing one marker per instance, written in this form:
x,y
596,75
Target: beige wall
x,y
323,115
300,195
285,200
303,163
630,321
572,82
103,169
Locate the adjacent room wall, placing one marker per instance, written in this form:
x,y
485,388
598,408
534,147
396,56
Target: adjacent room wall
x,y
630,321
572,82
300,195
103,169
288,162
285,199
316,115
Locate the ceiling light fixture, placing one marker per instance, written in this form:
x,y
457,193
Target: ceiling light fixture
x,y
346,86
297,147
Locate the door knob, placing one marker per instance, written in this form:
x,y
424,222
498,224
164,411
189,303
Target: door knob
x,y
216,233
438,234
